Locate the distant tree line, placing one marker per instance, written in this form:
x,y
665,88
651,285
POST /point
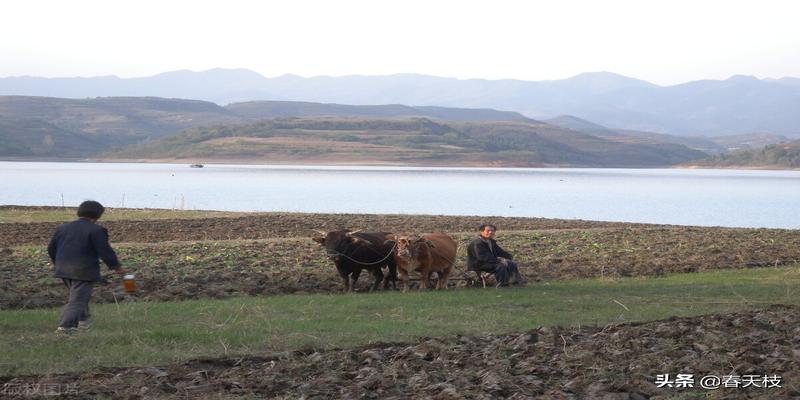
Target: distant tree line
x,y
781,155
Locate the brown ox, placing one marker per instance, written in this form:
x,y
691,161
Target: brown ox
x,y
435,252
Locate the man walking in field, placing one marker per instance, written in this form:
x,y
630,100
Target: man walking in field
x,y
74,251
485,255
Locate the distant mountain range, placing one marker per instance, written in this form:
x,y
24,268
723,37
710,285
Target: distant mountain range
x,y
709,145
147,128
739,105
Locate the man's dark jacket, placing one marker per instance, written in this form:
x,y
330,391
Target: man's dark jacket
x,y
76,247
483,257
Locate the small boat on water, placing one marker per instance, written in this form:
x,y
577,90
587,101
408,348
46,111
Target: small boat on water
x,y
196,166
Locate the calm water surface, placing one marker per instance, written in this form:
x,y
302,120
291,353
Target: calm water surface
x,y
686,197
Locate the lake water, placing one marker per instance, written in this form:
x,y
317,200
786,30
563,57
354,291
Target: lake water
x,y
673,196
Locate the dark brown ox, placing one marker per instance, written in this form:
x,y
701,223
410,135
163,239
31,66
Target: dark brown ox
x,y
435,252
354,251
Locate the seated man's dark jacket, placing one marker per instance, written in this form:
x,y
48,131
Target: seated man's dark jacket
x,y
482,257
76,247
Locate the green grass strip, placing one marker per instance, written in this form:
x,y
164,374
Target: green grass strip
x,y
157,333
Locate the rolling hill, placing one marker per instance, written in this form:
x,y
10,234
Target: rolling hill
x,y
780,156
72,128
146,128
85,127
274,109
402,141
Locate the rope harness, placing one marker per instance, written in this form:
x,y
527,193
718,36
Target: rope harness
x,y
394,246
373,263
431,249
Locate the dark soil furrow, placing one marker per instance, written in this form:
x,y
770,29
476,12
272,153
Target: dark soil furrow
x,y
221,269
282,225
612,362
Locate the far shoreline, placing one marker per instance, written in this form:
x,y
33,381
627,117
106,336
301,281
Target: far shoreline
x,y
380,163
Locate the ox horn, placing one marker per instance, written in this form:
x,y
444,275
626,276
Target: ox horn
x,y
355,239
322,233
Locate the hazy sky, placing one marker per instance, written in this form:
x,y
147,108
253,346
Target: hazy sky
x,y
665,42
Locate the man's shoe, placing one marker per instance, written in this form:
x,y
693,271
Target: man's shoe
x,y
85,324
501,285
65,331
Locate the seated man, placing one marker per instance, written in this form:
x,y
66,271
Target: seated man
x,y
485,255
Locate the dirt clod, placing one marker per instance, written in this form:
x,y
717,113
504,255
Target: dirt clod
x,y
281,258
612,362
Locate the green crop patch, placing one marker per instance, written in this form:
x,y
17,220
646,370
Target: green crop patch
x,y
158,333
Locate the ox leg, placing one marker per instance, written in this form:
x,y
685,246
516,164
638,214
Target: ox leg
x,y
443,277
391,277
385,282
345,278
378,274
354,276
423,279
403,279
